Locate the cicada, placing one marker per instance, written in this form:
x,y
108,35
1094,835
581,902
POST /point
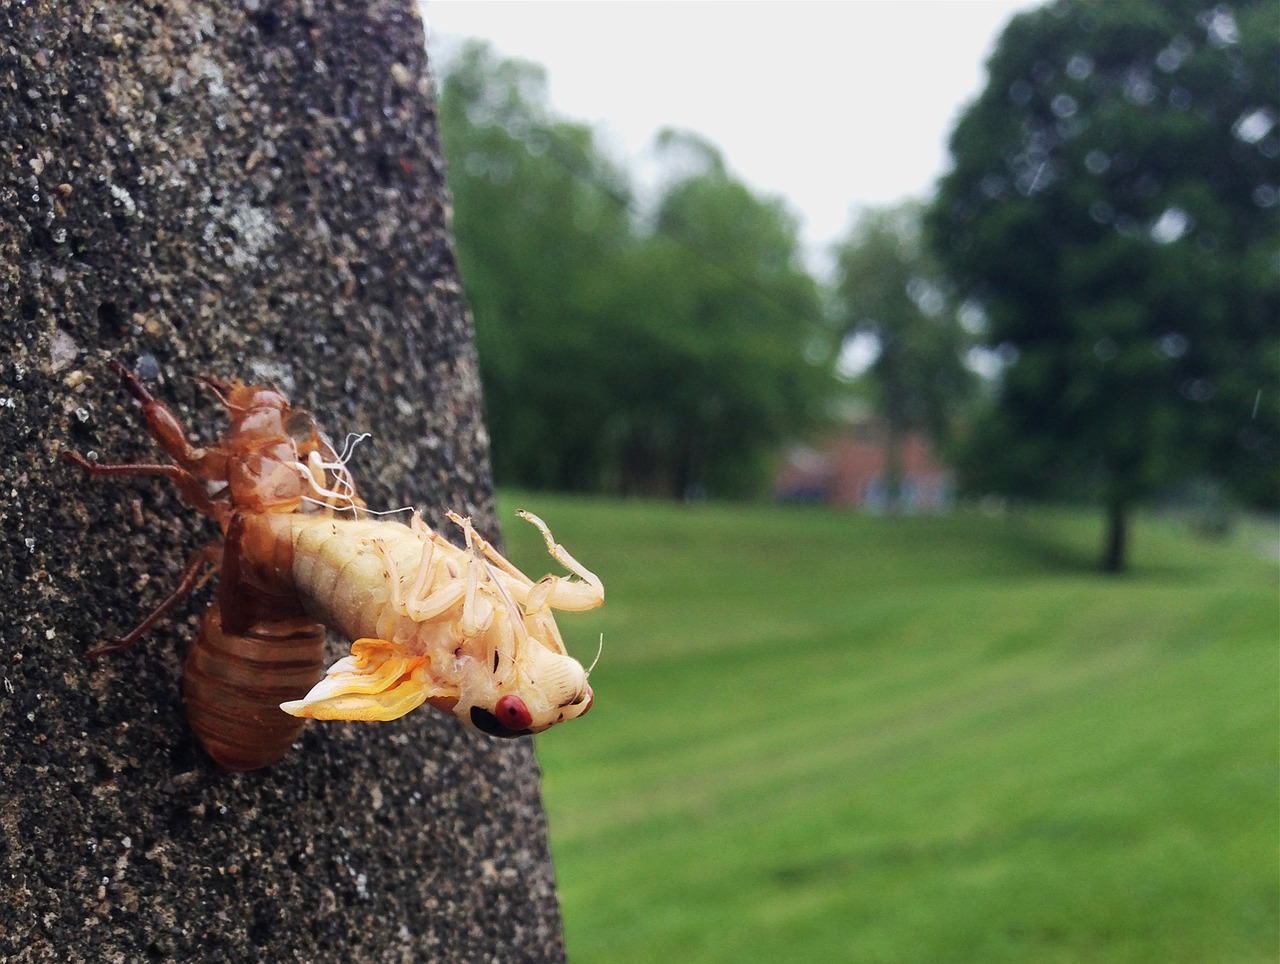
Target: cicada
x,y
456,626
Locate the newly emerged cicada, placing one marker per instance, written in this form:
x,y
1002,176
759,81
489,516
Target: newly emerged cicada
x,y
460,628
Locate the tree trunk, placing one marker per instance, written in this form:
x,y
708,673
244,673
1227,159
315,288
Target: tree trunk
x,y
1113,554
893,434
251,189
889,369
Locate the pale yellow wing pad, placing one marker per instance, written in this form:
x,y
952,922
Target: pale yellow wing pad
x,y
378,681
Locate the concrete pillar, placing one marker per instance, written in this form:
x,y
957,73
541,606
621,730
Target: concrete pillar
x,y
252,189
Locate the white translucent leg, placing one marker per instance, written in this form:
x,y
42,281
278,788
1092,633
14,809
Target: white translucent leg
x,y
557,592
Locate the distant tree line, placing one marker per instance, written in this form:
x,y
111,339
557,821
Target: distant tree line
x,y
1087,309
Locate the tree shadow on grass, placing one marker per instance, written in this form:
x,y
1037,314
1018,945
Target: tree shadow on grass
x,y
1069,547
1041,549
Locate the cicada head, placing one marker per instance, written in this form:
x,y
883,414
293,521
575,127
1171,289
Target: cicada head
x,y
544,689
380,681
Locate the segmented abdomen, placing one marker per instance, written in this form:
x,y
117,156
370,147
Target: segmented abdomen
x,y
235,683
341,580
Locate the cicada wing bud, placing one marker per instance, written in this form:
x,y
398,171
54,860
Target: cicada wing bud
x,y
377,682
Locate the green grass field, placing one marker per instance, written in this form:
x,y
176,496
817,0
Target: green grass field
x,y
822,736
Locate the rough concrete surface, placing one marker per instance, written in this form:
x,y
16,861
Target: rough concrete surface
x,y
248,189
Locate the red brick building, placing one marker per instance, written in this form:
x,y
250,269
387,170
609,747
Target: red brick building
x,y
849,470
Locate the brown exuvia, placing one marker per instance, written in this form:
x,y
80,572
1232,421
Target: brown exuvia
x,y
460,628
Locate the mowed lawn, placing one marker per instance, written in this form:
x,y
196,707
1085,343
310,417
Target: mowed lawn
x,y
821,736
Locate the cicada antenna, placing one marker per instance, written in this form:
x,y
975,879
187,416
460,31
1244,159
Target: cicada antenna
x,y
599,650
219,389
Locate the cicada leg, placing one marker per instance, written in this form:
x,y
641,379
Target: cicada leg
x,y
169,433
192,489
197,571
555,592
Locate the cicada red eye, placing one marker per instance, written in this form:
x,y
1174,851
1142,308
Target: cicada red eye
x,y
512,713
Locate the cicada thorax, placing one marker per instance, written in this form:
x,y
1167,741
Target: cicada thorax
x,y
256,648
265,455
431,621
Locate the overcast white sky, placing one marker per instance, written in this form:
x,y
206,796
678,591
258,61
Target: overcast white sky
x,y
830,105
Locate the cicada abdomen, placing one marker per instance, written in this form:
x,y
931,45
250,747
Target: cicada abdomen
x,y
235,682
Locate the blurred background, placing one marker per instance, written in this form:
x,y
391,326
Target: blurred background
x,y
910,373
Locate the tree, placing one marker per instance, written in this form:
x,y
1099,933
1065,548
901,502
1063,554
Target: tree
x,y
545,244
1113,208
737,351
663,356
890,289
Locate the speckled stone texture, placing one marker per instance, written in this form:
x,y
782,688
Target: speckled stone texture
x,y
248,189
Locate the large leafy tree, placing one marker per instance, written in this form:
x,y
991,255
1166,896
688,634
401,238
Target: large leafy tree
x,y
736,338
662,355
891,290
1113,206
542,227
